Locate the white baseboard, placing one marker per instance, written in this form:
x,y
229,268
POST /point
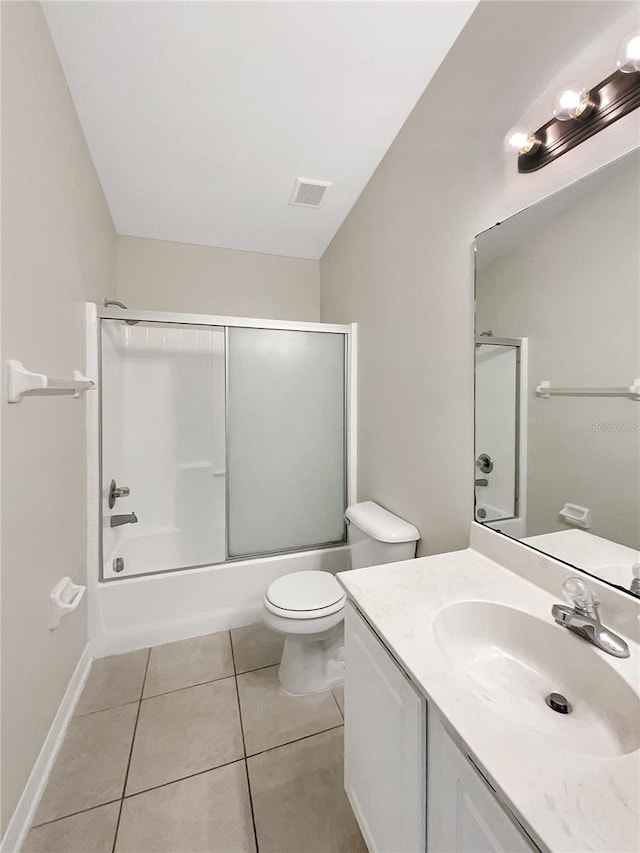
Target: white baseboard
x,y
25,811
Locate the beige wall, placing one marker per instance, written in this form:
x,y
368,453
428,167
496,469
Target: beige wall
x,y
401,265
58,250
158,275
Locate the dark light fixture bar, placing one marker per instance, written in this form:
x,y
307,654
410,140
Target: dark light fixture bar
x,y
613,98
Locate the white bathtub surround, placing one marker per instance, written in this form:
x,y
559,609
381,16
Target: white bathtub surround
x,y
571,792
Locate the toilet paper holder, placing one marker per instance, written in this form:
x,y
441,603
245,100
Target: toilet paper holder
x,y
63,599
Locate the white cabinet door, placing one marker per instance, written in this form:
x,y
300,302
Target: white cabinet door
x,y
463,815
385,744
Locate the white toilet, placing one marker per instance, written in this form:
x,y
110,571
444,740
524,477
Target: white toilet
x,y
308,607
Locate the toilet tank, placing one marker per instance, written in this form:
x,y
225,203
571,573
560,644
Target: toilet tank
x,y
378,536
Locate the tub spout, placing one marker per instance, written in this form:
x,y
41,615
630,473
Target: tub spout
x,y
117,520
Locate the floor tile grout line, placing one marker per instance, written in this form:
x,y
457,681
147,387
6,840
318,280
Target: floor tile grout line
x,y
146,670
177,689
197,684
244,745
183,778
133,739
296,740
102,710
253,814
233,654
138,702
235,678
188,687
202,772
244,758
258,668
73,814
338,704
76,715
121,797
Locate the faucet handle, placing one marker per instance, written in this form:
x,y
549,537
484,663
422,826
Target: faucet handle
x,y
578,593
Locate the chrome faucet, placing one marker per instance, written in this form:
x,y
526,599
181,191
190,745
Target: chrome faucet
x,y
583,618
117,520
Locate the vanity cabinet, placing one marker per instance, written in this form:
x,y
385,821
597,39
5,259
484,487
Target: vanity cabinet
x,y
463,814
385,744
403,802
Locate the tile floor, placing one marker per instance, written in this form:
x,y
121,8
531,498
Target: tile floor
x,y
194,747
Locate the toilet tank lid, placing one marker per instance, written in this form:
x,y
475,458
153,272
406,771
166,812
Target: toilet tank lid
x,y
380,524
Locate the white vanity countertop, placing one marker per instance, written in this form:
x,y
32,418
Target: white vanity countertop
x,y
567,800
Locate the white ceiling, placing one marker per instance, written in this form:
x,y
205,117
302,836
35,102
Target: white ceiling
x,y
200,115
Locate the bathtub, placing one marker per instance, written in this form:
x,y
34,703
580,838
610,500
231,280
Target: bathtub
x,y
136,612
494,517
150,603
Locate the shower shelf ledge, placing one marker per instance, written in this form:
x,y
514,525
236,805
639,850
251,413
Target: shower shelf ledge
x,y
545,389
21,381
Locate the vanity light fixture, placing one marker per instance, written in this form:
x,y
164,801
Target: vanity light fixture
x,y
580,112
573,101
629,54
522,142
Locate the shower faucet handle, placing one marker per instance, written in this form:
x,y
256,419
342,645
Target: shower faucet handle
x,y
117,492
485,463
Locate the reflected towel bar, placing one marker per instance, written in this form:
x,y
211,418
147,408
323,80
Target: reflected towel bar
x,y
545,389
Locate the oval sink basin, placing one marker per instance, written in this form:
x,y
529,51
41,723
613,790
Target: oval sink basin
x,y
513,660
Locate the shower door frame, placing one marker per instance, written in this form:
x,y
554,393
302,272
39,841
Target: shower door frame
x,y
521,346
349,331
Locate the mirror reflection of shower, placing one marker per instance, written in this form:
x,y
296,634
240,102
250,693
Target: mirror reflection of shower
x,y
500,470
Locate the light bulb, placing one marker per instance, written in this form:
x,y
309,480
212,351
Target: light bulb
x,y
628,57
521,142
572,101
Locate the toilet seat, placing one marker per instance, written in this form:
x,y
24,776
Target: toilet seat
x,y
305,595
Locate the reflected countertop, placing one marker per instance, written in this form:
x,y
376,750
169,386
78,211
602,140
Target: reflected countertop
x,y
601,557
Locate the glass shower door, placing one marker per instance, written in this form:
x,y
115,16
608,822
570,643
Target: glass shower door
x,y
285,440
163,439
496,411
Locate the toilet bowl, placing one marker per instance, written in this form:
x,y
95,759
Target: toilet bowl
x,y
308,607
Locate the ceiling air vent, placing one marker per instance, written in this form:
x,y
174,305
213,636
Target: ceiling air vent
x,y
308,193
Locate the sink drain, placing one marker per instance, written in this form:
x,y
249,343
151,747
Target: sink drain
x,y
559,703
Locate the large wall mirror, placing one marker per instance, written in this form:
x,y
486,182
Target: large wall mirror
x,y
557,369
